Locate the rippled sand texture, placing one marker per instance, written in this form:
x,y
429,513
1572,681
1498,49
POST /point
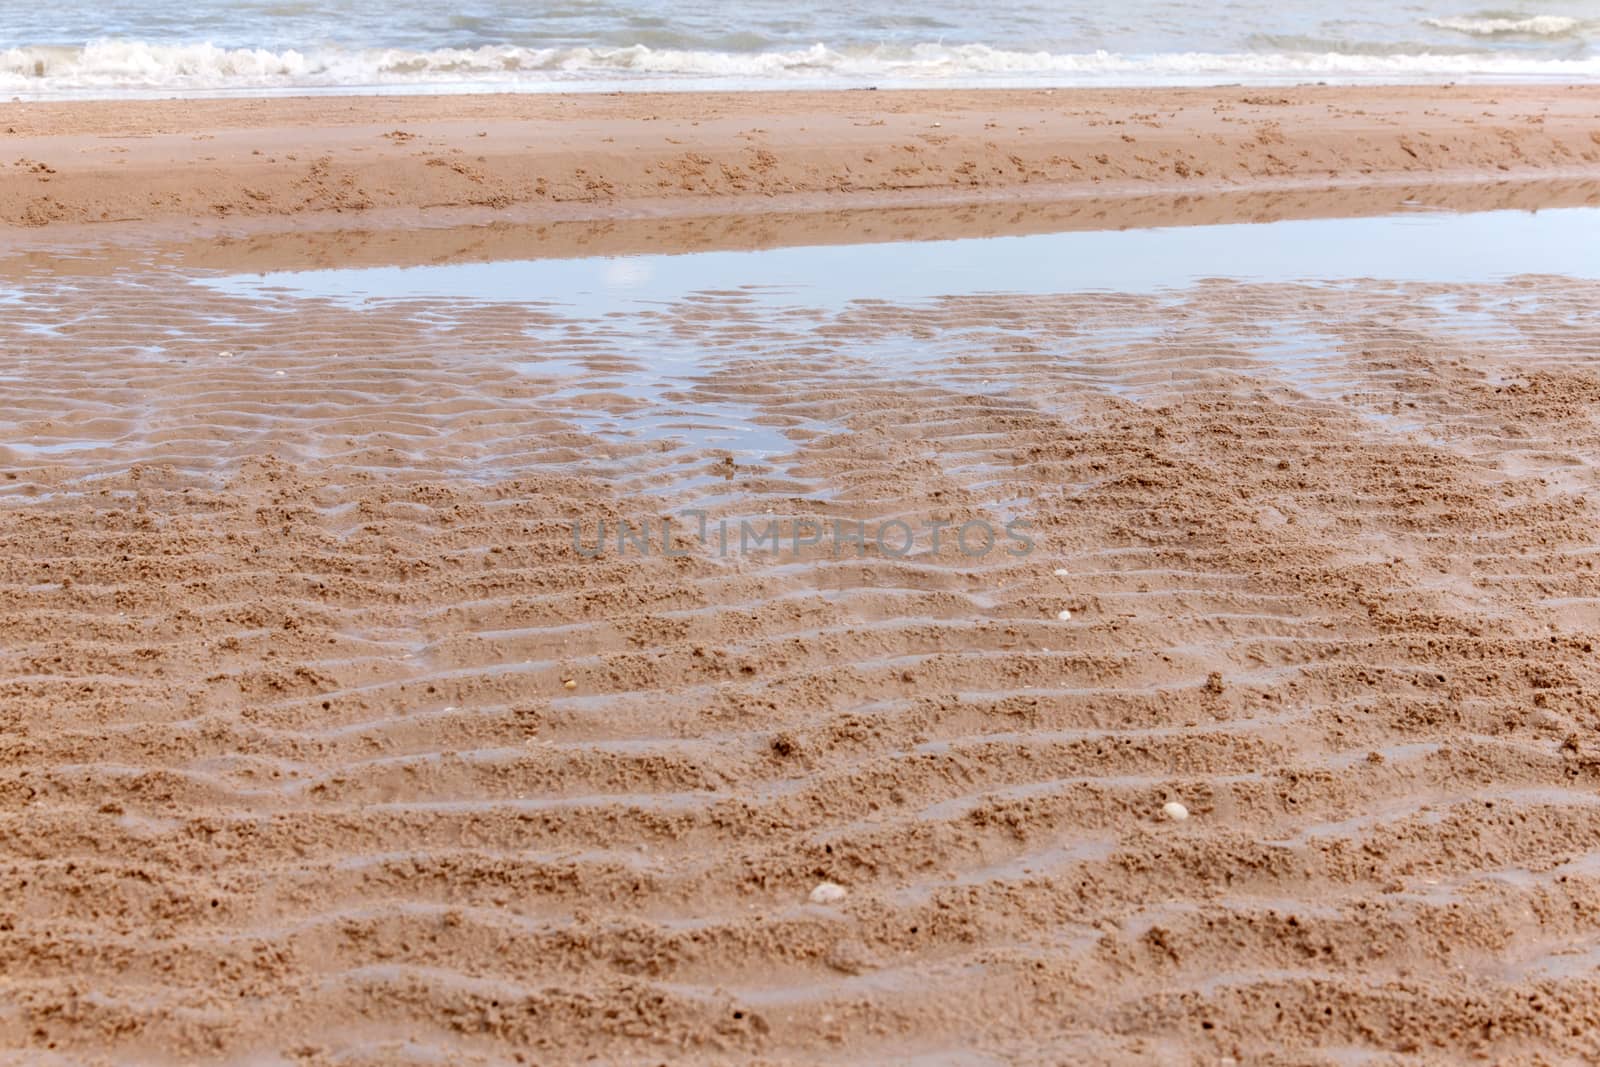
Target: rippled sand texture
x,y
322,744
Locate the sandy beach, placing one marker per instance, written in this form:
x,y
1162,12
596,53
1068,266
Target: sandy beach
x,y
331,735
398,160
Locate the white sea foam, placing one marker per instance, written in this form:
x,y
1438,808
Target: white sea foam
x,y
137,66
1499,25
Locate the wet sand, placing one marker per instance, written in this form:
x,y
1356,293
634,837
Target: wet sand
x,y
334,242
327,742
223,165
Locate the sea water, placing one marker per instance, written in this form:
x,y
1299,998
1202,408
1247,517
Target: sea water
x,y
75,48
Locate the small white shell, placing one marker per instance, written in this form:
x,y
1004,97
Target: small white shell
x,y
1175,811
1063,614
1062,572
828,893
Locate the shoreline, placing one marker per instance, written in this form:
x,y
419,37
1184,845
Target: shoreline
x,y
193,167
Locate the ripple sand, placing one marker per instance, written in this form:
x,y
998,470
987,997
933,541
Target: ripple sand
x,y
323,743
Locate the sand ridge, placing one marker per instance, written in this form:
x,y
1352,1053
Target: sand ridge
x,y
390,160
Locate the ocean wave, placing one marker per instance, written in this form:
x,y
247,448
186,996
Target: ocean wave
x,y
120,66
1300,44
1509,25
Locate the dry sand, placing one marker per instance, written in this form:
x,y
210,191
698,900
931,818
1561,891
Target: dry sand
x,y
322,744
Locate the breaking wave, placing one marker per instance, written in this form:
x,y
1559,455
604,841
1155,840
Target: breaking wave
x,y
1509,25
123,66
